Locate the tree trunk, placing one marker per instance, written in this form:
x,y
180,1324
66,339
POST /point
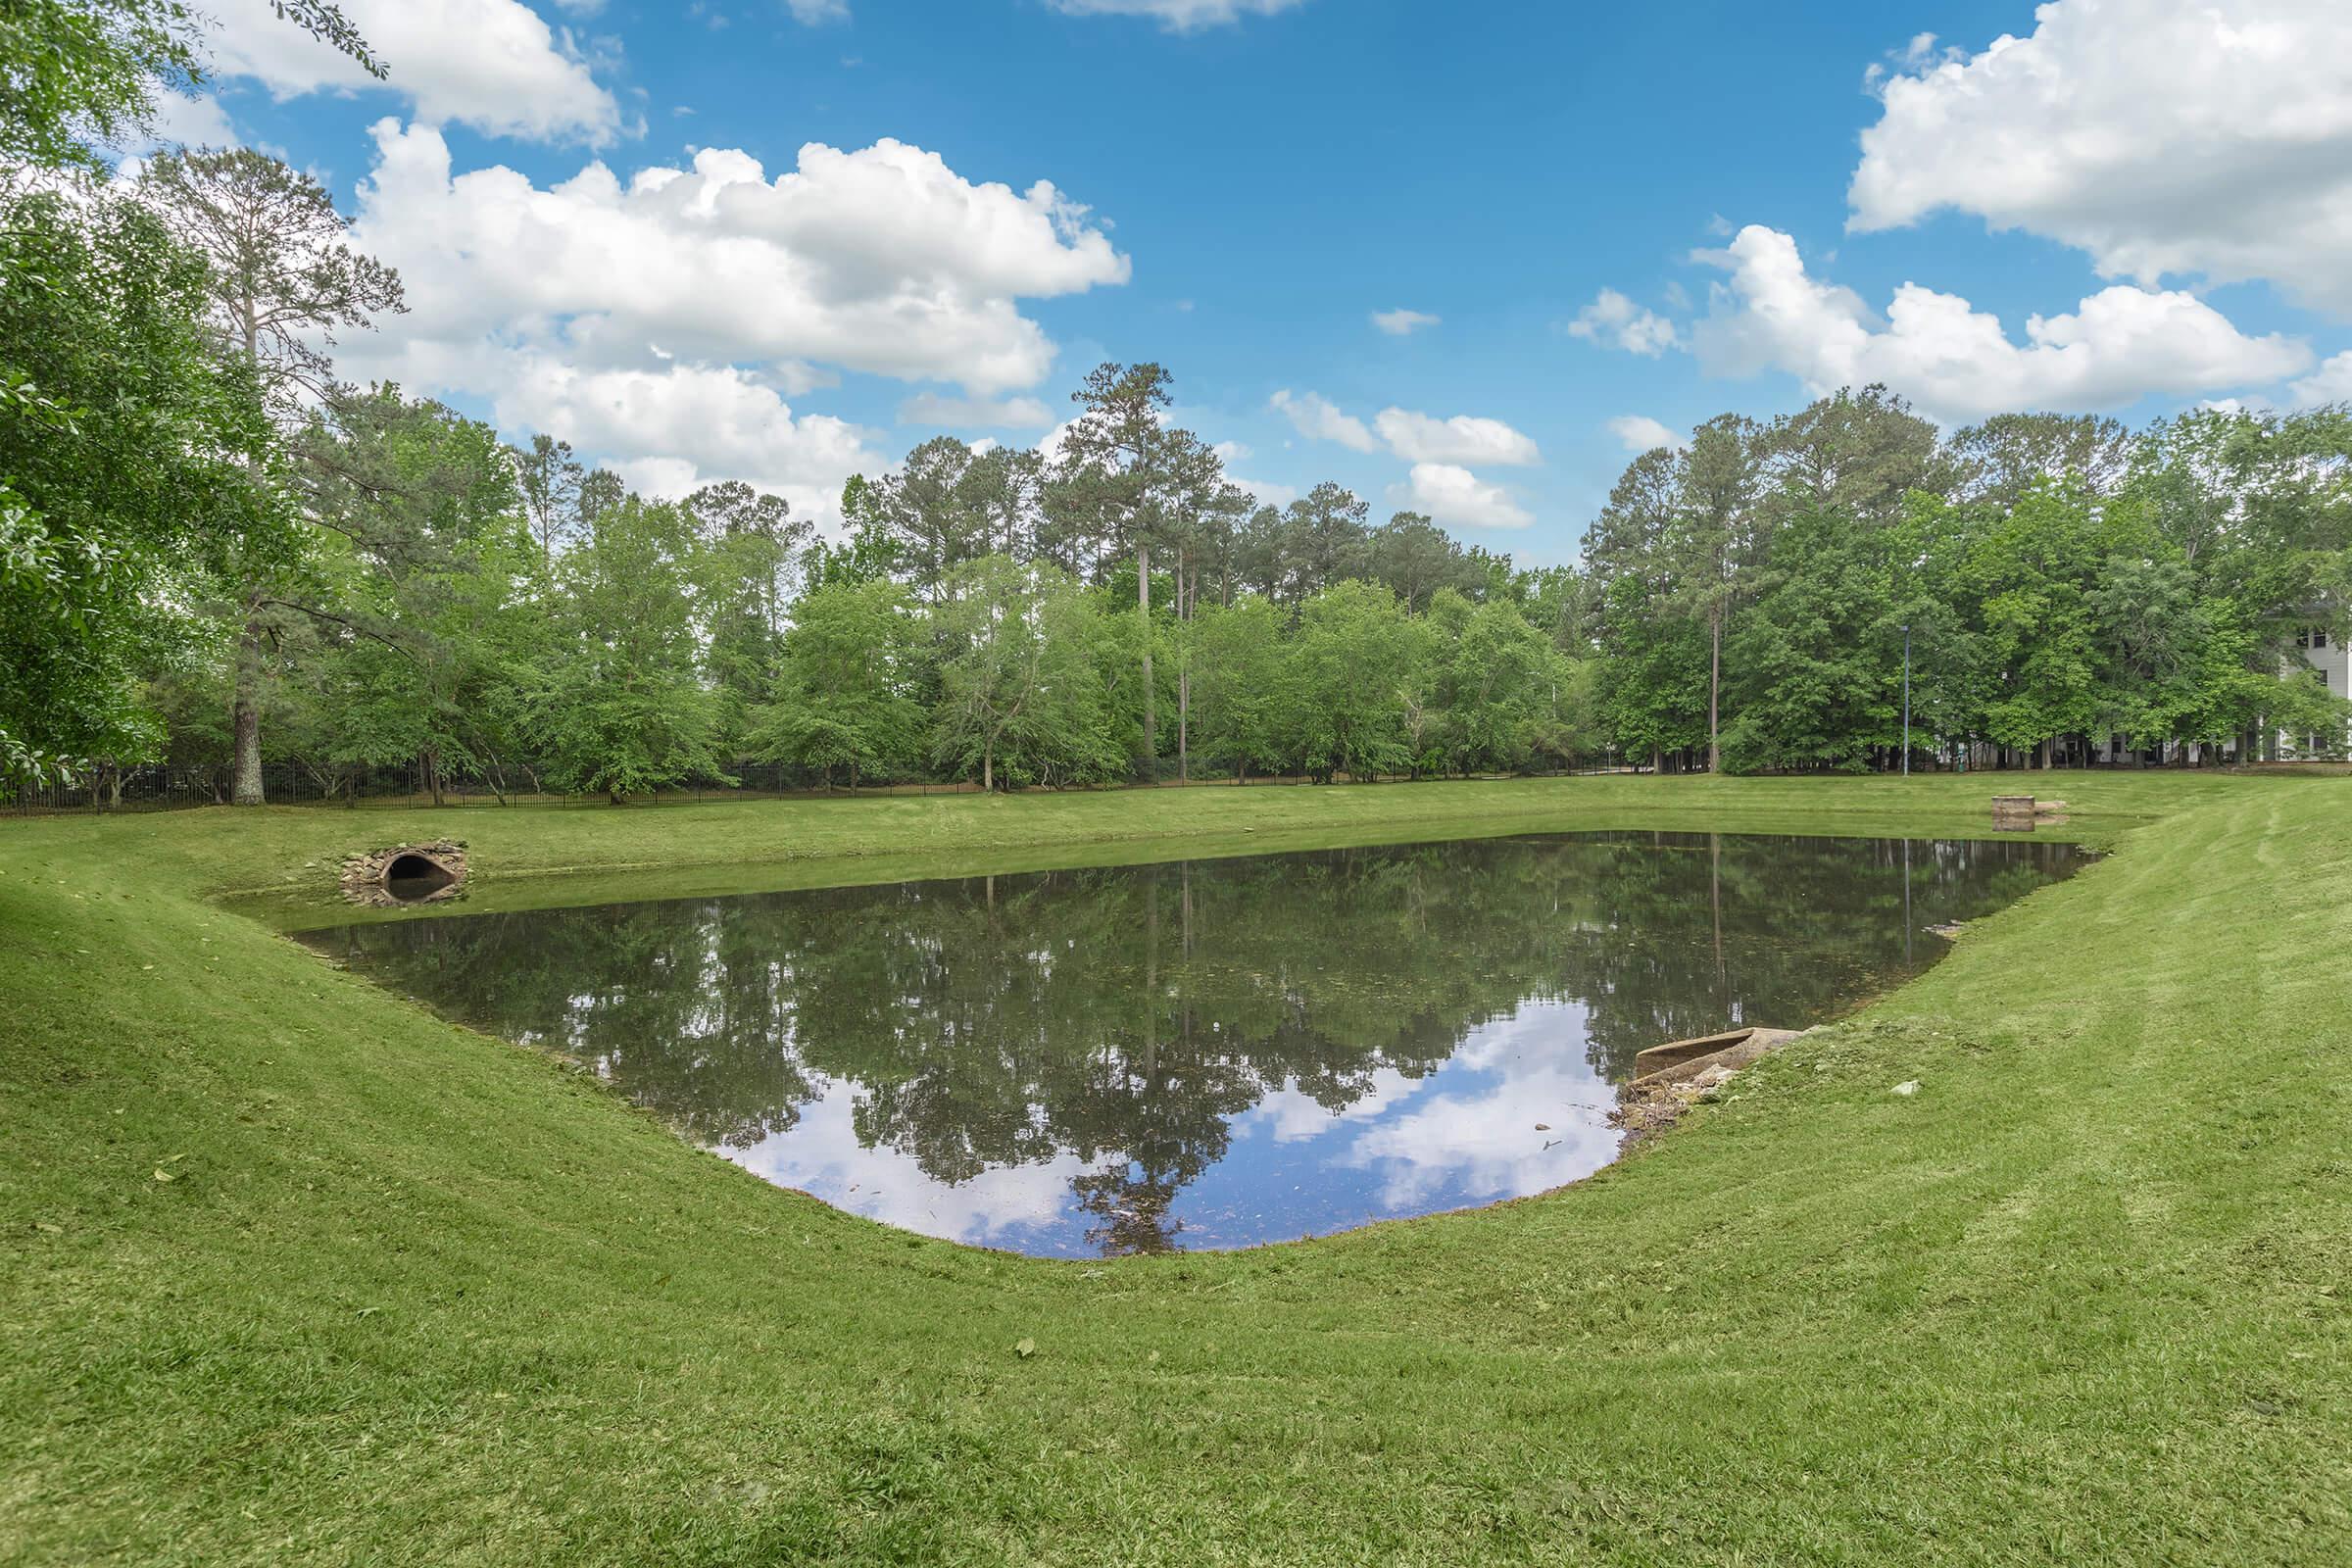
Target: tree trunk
x,y
1183,681
1714,687
1184,726
1142,610
245,778
988,768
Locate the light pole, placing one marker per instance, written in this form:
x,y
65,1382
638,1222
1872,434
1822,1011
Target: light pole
x,y
1906,698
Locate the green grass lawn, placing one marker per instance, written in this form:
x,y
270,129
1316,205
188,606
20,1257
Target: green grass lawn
x,y
293,1271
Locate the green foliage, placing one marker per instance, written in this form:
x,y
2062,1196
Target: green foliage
x,y
751,542
619,704
1818,684
1239,705
1020,700
1499,683
127,464
1358,667
283,279
77,76
418,597
1653,675
846,697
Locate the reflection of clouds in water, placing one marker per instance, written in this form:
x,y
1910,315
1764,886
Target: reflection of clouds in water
x,y
1480,1141
1289,1113
822,1156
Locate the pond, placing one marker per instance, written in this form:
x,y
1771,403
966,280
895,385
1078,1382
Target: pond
x,y
1207,1054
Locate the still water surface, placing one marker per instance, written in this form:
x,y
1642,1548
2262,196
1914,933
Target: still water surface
x,y
1199,1054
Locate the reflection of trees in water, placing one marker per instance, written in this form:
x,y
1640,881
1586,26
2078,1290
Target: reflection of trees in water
x,y
1126,1015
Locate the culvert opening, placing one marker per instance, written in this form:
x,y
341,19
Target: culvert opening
x,y
413,878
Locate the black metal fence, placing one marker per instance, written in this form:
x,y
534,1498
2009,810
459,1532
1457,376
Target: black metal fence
x,y
159,788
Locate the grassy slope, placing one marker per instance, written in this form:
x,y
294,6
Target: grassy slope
x,y
413,1296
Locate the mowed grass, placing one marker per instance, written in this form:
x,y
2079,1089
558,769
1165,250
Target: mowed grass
x,y
295,1272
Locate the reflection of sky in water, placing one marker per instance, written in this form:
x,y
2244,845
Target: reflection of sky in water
x,y
1466,1134
1218,1054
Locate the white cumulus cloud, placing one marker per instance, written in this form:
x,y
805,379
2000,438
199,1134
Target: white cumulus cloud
x,y
1451,493
1402,322
1464,438
1616,321
1413,436
669,429
1640,433
1318,420
1958,362
493,64
661,322
2164,137
2331,382
882,260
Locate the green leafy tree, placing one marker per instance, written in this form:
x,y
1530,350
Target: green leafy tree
x,y
927,510
1714,539
1819,684
1119,462
283,280
621,705
1019,699
1999,459
2032,572
1499,682
134,472
1415,558
1653,658
548,478
426,552
846,697
751,548
1241,664
1324,535
1357,666
80,76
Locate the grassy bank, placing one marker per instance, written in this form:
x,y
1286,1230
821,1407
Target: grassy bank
x,y
294,1271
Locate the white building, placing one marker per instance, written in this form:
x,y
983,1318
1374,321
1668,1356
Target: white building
x,y
2326,654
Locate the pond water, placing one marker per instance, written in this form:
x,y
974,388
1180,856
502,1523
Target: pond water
x,y
1207,1054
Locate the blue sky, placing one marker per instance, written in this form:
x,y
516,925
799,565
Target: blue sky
x,y
1260,178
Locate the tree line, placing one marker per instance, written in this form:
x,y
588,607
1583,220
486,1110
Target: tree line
x,y
2037,587
214,553
508,615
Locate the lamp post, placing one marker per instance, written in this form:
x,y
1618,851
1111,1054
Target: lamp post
x,y
1906,698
